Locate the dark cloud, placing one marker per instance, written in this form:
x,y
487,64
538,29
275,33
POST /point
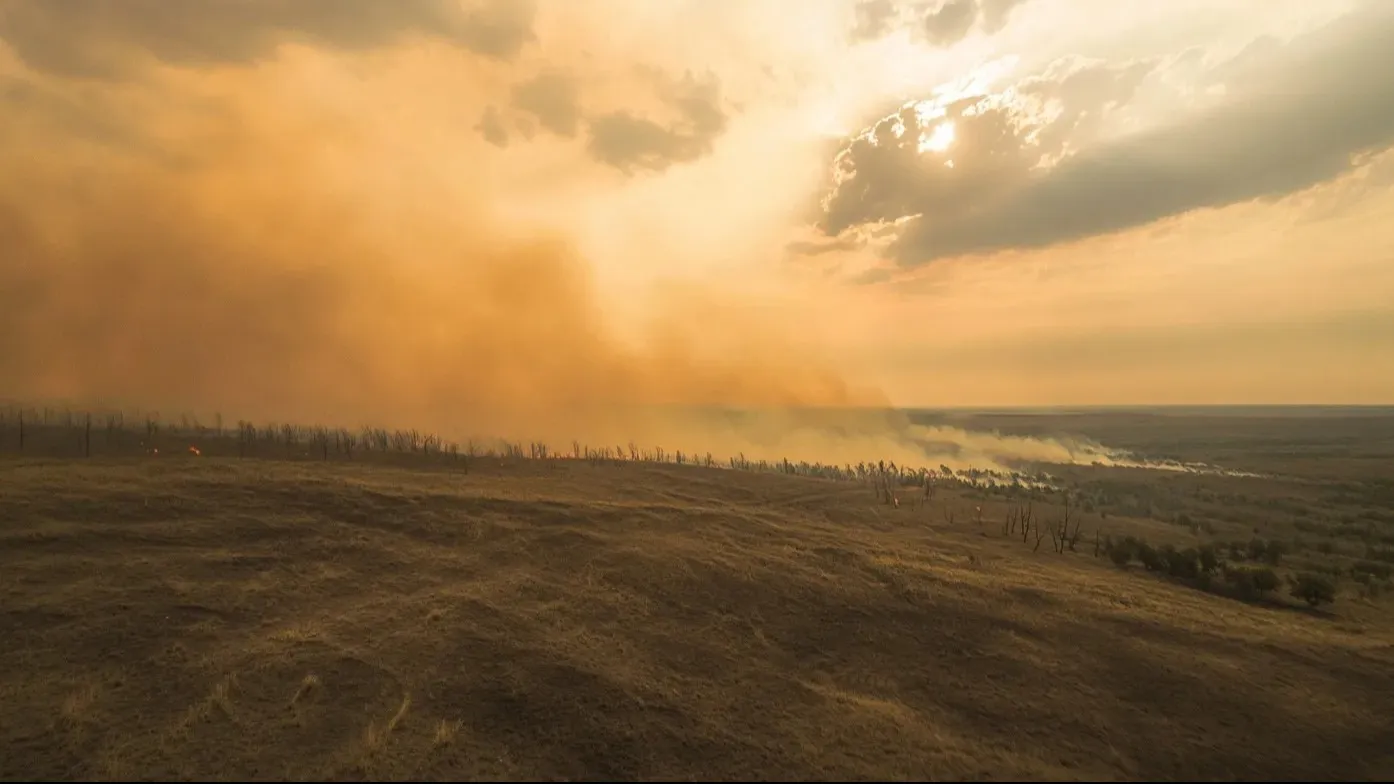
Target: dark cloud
x,y
874,18
631,143
60,112
491,127
552,98
939,22
1028,169
950,22
996,13
101,39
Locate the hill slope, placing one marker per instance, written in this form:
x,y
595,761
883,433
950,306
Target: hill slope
x,y
217,618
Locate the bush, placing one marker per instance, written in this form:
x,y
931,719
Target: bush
x,y
1314,589
1250,583
1257,549
1150,559
1266,580
1209,559
1372,568
1120,552
1379,554
1180,563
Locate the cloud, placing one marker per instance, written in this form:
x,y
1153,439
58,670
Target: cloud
x,y
115,41
61,113
491,127
1031,167
105,39
631,143
996,13
874,19
814,248
553,98
941,159
950,22
941,23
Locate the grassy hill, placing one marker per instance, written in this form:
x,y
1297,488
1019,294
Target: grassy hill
x,y
188,616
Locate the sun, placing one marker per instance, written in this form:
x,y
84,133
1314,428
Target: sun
x,y
939,139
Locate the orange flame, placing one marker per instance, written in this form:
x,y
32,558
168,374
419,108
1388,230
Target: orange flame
x,y
193,450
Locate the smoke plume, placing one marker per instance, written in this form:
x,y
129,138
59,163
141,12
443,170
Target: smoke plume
x,y
289,240
218,247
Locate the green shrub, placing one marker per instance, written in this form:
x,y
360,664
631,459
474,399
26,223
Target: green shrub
x,y
1379,554
1150,558
1372,568
1314,589
1249,582
1256,549
1209,559
1266,580
1120,552
1181,563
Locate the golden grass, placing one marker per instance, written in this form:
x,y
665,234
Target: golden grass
x,y
76,706
308,686
223,618
446,731
374,736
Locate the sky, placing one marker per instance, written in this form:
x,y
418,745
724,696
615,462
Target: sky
x,y
519,213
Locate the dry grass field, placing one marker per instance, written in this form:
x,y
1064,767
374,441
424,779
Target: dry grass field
x,y
210,617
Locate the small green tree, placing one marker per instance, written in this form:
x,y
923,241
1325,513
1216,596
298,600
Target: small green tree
x,y
1257,549
1314,589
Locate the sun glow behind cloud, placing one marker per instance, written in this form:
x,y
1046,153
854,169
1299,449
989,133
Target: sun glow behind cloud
x,y
938,139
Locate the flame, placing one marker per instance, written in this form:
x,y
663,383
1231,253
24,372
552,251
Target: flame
x,y
193,450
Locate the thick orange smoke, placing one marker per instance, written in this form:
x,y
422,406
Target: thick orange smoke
x,y
233,251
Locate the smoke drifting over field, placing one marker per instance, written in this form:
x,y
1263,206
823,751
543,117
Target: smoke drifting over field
x,y
247,240
230,251
261,238
241,270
